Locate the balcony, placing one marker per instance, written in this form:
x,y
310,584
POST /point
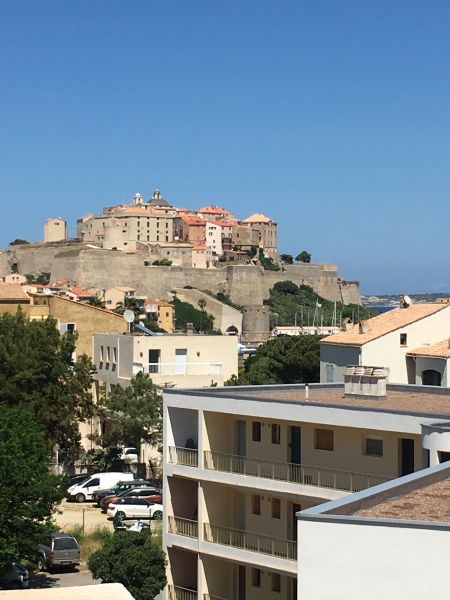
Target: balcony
x,y
254,542
180,593
178,369
183,456
184,527
334,479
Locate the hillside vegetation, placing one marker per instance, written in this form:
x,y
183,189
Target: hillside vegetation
x,y
289,304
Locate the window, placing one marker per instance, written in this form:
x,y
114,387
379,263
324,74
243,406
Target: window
x,y
256,578
403,339
114,354
275,433
276,582
256,431
108,353
102,353
276,508
374,447
324,439
256,504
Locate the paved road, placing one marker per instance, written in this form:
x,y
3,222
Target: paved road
x,y
62,579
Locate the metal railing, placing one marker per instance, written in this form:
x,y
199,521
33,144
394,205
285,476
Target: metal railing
x,y
334,479
183,456
246,540
180,593
183,369
185,527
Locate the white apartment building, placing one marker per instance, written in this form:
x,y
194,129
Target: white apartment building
x,y
170,359
240,463
397,539
402,337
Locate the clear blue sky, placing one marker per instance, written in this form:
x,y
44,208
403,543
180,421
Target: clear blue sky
x,y
332,117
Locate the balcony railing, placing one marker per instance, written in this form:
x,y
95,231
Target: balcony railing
x,y
180,593
246,540
183,527
181,369
183,456
334,479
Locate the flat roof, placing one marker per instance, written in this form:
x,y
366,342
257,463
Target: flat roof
x,y
428,503
421,400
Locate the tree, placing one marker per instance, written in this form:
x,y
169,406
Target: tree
x,y
96,301
293,359
303,257
129,303
287,259
37,371
18,242
286,287
28,491
267,263
135,414
186,313
130,558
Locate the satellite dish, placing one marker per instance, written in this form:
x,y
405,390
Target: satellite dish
x,y
128,315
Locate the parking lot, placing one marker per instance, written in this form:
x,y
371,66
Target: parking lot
x,y
70,514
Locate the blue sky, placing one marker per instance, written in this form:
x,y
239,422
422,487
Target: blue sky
x,y
331,117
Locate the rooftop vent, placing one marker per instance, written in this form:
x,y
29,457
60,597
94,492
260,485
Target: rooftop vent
x,y
365,382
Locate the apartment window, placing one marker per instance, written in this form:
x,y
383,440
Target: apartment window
x,y
276,508
256,578
114,355
403,339
374,446
276,582
108,354
276,433
256,504
324,439
102,353
256,431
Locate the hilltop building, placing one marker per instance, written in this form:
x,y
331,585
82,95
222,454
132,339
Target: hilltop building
x,y
55,230
409,339
240,463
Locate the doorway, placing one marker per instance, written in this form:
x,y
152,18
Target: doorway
x,y
406,456
154,358
296,445
431,377
181,361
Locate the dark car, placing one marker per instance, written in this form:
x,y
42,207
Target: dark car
x,y
16,577
59,550
119,488
151,494
76,479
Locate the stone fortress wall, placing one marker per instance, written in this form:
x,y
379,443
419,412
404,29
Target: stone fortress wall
x,y
245,284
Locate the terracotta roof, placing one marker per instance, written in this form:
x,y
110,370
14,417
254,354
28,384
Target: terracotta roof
x,y
81,292
221,223
214,210
200,247
258,218
438,350
193,220
385,323
12,291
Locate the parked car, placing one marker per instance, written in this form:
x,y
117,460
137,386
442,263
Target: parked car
x,y
130,455
139,508
84,491
16,577
118,489
76,480
59,550
150,494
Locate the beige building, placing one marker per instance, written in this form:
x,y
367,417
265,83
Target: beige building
x,y
399,336
267,232
12,296
179,253
240,463
161,312
118,295
218,236
202,256
55,230
245,236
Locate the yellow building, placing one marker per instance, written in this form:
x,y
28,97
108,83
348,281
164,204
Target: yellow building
x,y
162,312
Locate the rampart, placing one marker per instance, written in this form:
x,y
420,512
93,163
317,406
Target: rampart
x,y
245,284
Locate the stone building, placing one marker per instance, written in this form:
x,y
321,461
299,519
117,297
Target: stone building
x,y
55,230
267,232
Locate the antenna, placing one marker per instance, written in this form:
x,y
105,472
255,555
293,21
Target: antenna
x,y
128,316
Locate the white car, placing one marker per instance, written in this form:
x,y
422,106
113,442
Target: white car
x,y
129,455
131,508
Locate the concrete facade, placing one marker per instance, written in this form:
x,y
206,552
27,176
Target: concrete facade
x,y
55,230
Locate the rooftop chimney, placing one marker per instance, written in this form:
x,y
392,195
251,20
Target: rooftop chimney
x,y
189,329
364,327
365,382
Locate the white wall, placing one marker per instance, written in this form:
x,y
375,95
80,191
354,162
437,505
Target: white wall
x,y
349,561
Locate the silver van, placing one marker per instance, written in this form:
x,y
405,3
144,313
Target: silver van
x,y
59,550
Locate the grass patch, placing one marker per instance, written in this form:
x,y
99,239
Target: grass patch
x,y
90,540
